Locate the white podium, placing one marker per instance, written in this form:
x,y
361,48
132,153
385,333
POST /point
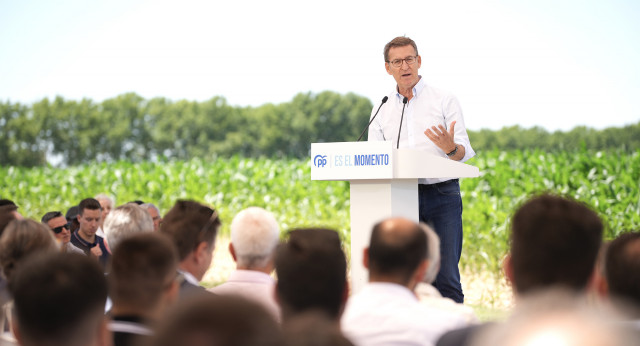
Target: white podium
x,y
383,183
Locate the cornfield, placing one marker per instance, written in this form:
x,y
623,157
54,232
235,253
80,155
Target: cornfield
x,y
607,181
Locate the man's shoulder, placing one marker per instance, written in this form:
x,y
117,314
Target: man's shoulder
x,y
462,336
187,289
71,247
437,92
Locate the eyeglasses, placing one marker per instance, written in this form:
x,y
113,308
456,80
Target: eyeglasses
x,y
398,62
59,229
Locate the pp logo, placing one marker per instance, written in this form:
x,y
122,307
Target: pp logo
x,y
320,160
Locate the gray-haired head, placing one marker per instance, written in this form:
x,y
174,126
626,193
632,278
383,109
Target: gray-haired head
x,y
254,236
150,206
104,197
124,221
433,253
155,214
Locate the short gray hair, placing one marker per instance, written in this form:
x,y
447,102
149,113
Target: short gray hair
x,y
148,206
107,197
124,221
254,234
433,253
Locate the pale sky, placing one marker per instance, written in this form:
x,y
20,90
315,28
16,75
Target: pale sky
x,y
555,64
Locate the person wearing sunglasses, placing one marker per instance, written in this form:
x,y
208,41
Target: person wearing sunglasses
x,y
61,230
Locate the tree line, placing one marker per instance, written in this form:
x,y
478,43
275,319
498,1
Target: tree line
x,y
128,127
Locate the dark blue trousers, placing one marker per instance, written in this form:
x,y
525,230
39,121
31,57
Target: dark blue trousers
x,y
441,208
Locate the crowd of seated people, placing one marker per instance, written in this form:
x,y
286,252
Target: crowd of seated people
x,y
98,273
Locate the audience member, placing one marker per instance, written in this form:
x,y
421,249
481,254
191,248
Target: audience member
x,y
314,328
142,285
622,274
125,221
427,293
72,218
208,320
5,201
154,212
254,237
21,239
59,301
193,227
107,203
312,274
556,317
85,238
8,213
554,243
386,311
61,230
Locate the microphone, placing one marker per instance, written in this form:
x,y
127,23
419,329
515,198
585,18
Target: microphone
x,y
404,101
384,99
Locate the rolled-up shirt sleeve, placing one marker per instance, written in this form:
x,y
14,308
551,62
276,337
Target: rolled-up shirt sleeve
x,y
453,112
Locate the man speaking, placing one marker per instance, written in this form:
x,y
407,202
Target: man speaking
x,y
422,117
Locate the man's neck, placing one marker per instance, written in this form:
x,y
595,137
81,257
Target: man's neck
x,y
408,93
152,314
390,280
266,269
187,267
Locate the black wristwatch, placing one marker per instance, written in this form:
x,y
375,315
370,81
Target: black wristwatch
x,y
453,152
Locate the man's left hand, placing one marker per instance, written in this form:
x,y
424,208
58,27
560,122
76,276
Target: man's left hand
x,y
441,137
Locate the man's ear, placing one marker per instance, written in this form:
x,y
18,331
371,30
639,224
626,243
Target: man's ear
x,y
388,68
15,329
345,297
365,258
105,337
598,283
507,268
232,251
418,274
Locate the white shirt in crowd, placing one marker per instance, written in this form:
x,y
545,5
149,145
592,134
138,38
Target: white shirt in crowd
x,y
253,285
390,314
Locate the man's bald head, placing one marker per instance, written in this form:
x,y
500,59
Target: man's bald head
x,y
397,248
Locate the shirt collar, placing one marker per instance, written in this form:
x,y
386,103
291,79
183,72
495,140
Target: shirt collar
x,y
250,275
84,242
189,277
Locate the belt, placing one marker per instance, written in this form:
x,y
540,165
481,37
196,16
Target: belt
x,y
431,186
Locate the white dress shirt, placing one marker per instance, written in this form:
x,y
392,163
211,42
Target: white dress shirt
x,y
252,285
428,107
390,314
